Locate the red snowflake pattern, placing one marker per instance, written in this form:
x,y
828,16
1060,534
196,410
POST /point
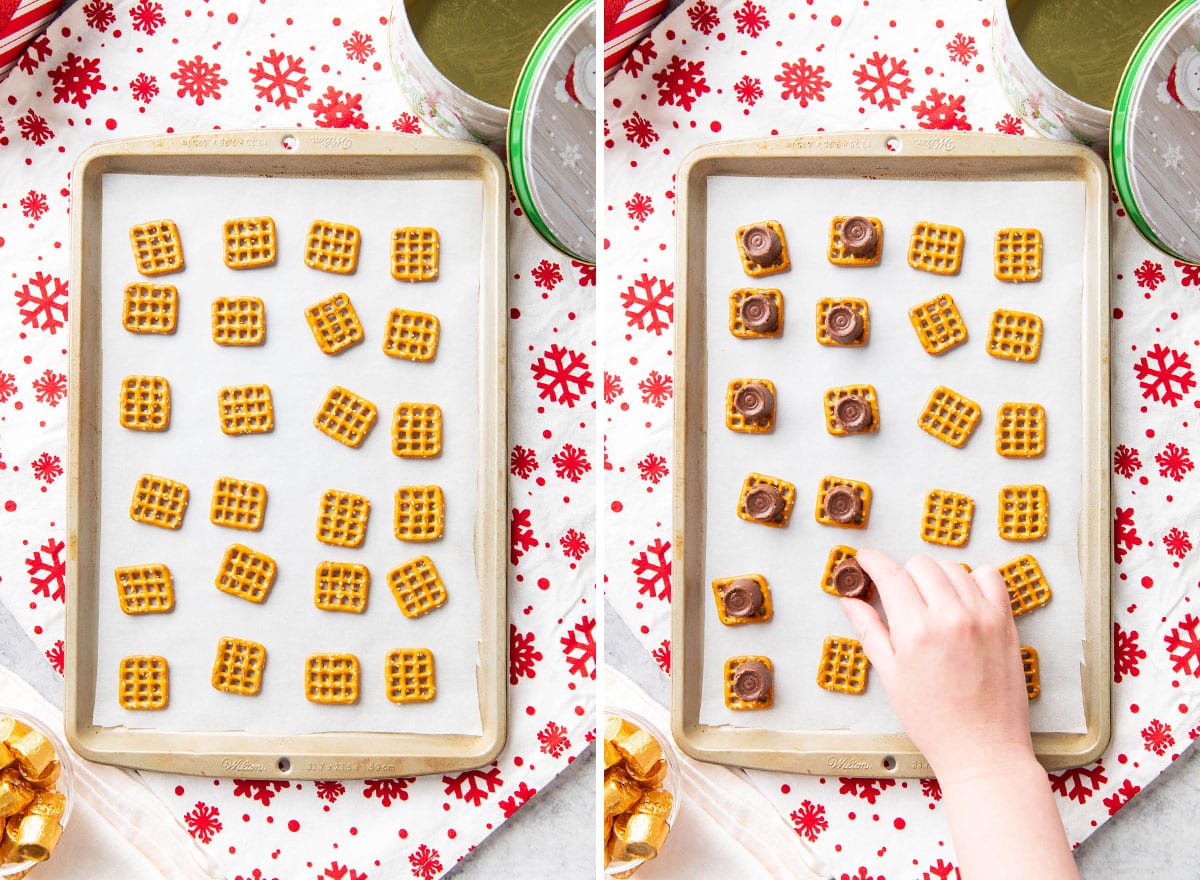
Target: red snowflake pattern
x,y
1078,783
662,656
56,656
1157,737
35,128
751,19
8,386
809,820
649,304
587,273
50,387
867,789
1149,275
1121,797
330,790
571,463
388,791
1010,124
653,468
554,740
652,570
425,863
639,207
520,534
260,790
1183,646
1178,543
562,375
77,80
574,544
522,655
1126,461
203,822
522,462
802,81
1125,536
579,648
942,111
99,15
704,17
1174,462
338,109
281,81
35,53
43,302
639,130
48,468
748,90
1126,653
474,786
407,123
359,47
932,789
1165,375
941,871
884,81
143,88
681,83
641,55
612,388
1190,274
962,49
336,871
510,805
198,79
147,16
34,205
546,275
656,389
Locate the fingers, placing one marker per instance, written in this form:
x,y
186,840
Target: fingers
x,y
900,596
968,590
873,633
992,586
932,582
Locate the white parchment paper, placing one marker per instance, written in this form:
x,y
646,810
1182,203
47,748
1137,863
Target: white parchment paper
x,y
900,462
295,462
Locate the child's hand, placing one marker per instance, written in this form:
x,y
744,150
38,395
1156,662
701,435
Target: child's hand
x,y
949,660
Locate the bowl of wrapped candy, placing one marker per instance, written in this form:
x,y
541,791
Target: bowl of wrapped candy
x,y
36,792
641,792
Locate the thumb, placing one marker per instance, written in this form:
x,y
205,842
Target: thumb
x,y
873,633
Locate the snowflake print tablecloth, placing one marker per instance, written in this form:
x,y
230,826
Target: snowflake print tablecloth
x,y
136,67
751,68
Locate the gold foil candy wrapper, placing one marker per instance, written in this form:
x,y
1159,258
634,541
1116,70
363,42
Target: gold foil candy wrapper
x,y
52,804
641,752
655,803
616,729
644,835
655,778
34,753
37,837
619,793
14,797
12,729
7,757
8,839
48,778
611,755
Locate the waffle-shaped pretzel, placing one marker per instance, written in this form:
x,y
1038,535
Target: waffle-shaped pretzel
x,y
144,682
736,421
150,308
843,667
158,501
342,518
145,403
738,327
245,573
408,675
949,416
1027,587
826,304
156,247
1024,512
334,323
786,491
331,679
332,247
762,614
417,430
838,554
239,320
1021,430
841,255
936,248
1015,336
417,586
415,254
412,336
239,666
238,504
1029,663
341,586
947,518
249,242
420,513
866,393
145,589
735,701
345,416
246,409
862,490
1018,254
782,262
939,324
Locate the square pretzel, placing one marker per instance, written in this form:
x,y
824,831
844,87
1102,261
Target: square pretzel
x,y
735,421
839,256
732,700
159,501
1029,664
738,328
415,254
939,324
145,589
417,430
1021,430
249,242
239,666
150,308
825,304
245,573
1018,255
949,416
334,323
238,504
144,682
409,676
719,585
156,247
417,586
341,586
331,679
833,395
786,489
1023,512
862,490
245,409
947,518
782,264
1027,586
332,247
936,248
420,513
843,667
838,554
145,403
1015,336
412,336
345,416
239,320
342,518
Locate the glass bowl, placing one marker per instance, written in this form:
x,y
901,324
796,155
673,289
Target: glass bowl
x,y
65,783
672,782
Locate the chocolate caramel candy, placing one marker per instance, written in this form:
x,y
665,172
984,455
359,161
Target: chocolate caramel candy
x,y
859,236
743,598
645,834
853,414
36,837
640,752
6,756
34,753
620,793
14,797
844,324
759,313
764,503
842,505
752,681
851,580
761,245
754,400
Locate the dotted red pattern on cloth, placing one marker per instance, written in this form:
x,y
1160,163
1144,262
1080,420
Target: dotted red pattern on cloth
x,y
753,68
140,67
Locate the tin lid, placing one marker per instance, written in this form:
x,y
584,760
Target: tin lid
x,y
552,133
1155,136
